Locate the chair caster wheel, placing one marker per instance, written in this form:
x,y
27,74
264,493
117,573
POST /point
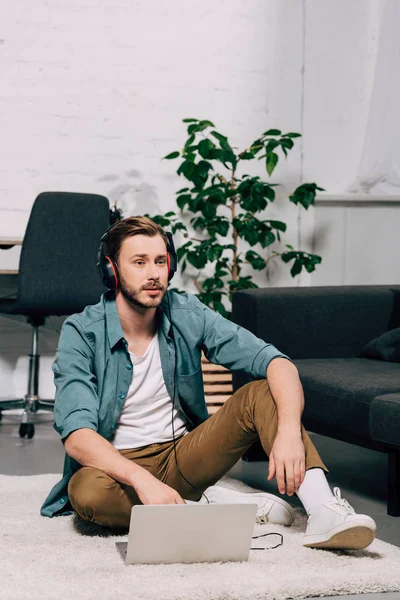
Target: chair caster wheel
x,y
26,429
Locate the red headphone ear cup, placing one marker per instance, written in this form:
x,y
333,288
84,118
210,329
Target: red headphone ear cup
x,y
169,264
114,272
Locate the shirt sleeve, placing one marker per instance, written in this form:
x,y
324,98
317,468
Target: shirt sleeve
x,y
233,346
76,403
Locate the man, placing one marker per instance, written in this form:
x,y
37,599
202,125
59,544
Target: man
x,y
127,365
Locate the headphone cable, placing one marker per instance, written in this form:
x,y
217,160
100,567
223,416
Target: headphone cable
x,y
173,404
173,435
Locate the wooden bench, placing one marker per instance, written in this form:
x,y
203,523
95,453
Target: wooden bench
x,y
217,384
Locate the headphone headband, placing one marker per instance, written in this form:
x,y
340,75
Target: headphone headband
x,y
108,269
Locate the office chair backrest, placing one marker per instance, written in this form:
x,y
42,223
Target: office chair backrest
x,y
57,269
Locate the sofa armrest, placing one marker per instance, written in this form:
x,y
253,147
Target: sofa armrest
x,y
385,419
315,322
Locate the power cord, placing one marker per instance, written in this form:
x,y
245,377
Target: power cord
x,y
173,435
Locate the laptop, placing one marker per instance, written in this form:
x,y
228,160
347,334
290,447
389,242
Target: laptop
x,y
188,533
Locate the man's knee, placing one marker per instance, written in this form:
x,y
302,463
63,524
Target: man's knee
x,y
86,489
258,388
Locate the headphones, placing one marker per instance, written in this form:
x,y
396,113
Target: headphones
x,y
108,269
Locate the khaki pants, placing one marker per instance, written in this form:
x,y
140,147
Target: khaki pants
x,y
204,456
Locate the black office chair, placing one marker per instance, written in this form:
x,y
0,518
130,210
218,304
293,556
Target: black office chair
x,y
57,276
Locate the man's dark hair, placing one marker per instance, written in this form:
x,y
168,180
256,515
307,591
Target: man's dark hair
x,y
129,227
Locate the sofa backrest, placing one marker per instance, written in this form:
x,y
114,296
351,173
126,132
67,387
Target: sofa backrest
x,y
315,322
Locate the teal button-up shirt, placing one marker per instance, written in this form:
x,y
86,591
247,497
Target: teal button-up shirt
x,y
93,370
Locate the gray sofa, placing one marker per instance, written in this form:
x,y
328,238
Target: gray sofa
x,y
323,330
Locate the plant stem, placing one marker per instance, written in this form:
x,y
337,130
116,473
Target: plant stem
x,y
271,257
196,282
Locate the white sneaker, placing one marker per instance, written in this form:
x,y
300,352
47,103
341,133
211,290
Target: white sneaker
x,y
336,525
271,509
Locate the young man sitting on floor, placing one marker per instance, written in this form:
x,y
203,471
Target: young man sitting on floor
x,y
129,381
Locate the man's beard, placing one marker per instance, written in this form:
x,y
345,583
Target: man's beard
x,y
131,294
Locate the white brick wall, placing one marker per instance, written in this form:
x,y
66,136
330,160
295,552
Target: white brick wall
x,y
93,93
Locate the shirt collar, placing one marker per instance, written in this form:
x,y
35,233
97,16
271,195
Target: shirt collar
x,y
113,323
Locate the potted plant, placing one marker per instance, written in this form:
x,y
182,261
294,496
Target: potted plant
x,y
222,208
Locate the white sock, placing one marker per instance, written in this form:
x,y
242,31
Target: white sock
x,y
314,490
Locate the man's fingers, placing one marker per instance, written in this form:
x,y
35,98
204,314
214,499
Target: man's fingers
x,y
297,475
289,479
280,477
271,470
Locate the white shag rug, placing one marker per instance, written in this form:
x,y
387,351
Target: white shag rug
x,y
62,557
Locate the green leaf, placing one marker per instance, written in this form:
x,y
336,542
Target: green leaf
x,y
252,196
230,247
198,223
242,283
278,225
246,155
209,210
269,192
214,252
296,268
197,258
272,161
183,200
256,261
197,127
161,220
172,155
286,143
272,132
189,120
207,123
199,175
305,194
267,238
212,283
219,136
187,169
272,144
179,227
206,148
218,226
301,259
184,249
189,142
292,135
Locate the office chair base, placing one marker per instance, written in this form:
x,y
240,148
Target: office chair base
x,y
30,404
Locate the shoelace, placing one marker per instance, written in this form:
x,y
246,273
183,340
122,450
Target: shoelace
x,y
341,502
263,518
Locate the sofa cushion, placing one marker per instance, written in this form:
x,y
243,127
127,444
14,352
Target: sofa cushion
x,y
384,347
385,419
339,392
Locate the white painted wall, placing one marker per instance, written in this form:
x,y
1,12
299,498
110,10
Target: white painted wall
x,y
93,94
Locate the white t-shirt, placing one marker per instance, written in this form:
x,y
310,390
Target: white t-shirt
x,y
147,414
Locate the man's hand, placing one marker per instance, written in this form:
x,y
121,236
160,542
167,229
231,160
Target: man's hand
x,y
287,461
151,490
